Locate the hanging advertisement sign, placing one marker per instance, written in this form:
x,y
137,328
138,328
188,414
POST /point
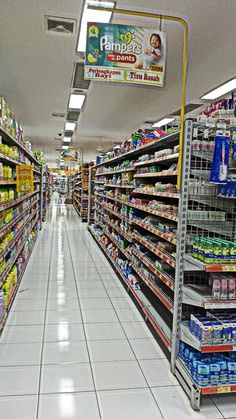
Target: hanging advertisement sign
x,y
70,155
124,53
24,179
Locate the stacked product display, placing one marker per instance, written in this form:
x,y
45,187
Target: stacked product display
x,y
47,191
175,250
81,191
91,197
20,178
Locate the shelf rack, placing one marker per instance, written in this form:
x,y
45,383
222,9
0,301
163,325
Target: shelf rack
x,y
175,283
81,192
26,210
113,213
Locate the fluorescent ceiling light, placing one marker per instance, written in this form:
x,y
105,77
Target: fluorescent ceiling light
x,y
76,101
70,126
65,147
67,139
163,122
221,90
90,15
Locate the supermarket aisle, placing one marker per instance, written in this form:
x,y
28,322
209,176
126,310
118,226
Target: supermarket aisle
x,y
75,346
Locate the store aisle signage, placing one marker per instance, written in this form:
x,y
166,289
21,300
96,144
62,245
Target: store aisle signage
x,y
121,53
24,179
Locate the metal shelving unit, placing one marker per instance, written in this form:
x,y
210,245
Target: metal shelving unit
x,y
81,192
158,226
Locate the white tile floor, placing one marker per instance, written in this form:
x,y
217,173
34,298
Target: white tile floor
x,y
75,346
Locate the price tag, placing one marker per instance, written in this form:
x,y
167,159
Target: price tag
x,y
234,348
224,389
228,268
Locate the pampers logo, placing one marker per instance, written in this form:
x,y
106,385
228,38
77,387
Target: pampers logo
x,y
124,46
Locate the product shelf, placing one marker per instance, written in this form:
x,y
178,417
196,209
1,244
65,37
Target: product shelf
x,y
191,340
11,140
150,314
3,321
112,172
165,278
18,218
5,273
7,182
99,182
154,288
156,174
162,214
168,237
120,186
10,246
14,202
193,264
116,243
142,191
111,198
117,214
155,249
9,160
121,232
200,296
162,142
220,389
169,158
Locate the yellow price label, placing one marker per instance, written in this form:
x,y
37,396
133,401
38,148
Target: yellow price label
x,y
229,268
224,389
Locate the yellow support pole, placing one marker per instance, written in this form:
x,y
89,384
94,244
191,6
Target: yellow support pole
x,y
184,67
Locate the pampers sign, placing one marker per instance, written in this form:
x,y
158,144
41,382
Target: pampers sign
x,y
124,53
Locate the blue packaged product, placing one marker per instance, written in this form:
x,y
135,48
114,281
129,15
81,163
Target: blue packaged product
x,y
214,373
232,372
219,168
217,332
223,372
205,331
181,350
227,331
233,326
203,374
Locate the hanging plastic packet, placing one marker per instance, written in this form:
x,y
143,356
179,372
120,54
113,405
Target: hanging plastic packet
x,y
220,163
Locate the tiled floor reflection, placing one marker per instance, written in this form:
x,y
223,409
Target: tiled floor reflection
x,y
75,346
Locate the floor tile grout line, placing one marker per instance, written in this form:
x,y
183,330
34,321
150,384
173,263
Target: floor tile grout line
x,y
215,404
115,361
80,391
45,313
154,399
86,342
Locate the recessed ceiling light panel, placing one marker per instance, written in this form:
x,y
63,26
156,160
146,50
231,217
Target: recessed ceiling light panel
x,y
76,101
221,90
90,15
163,122
70,126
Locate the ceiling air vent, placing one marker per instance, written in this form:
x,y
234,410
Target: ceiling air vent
x,y
72,116
58,115
78,77
60,25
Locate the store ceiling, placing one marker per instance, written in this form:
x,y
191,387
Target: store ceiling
x,y
36,69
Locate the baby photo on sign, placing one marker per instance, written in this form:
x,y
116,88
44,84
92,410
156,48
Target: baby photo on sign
x,y
152,57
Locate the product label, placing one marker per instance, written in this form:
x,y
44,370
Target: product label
x,y
224,389
125,53
24,179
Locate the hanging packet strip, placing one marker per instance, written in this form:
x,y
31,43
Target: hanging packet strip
x,y
220,163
